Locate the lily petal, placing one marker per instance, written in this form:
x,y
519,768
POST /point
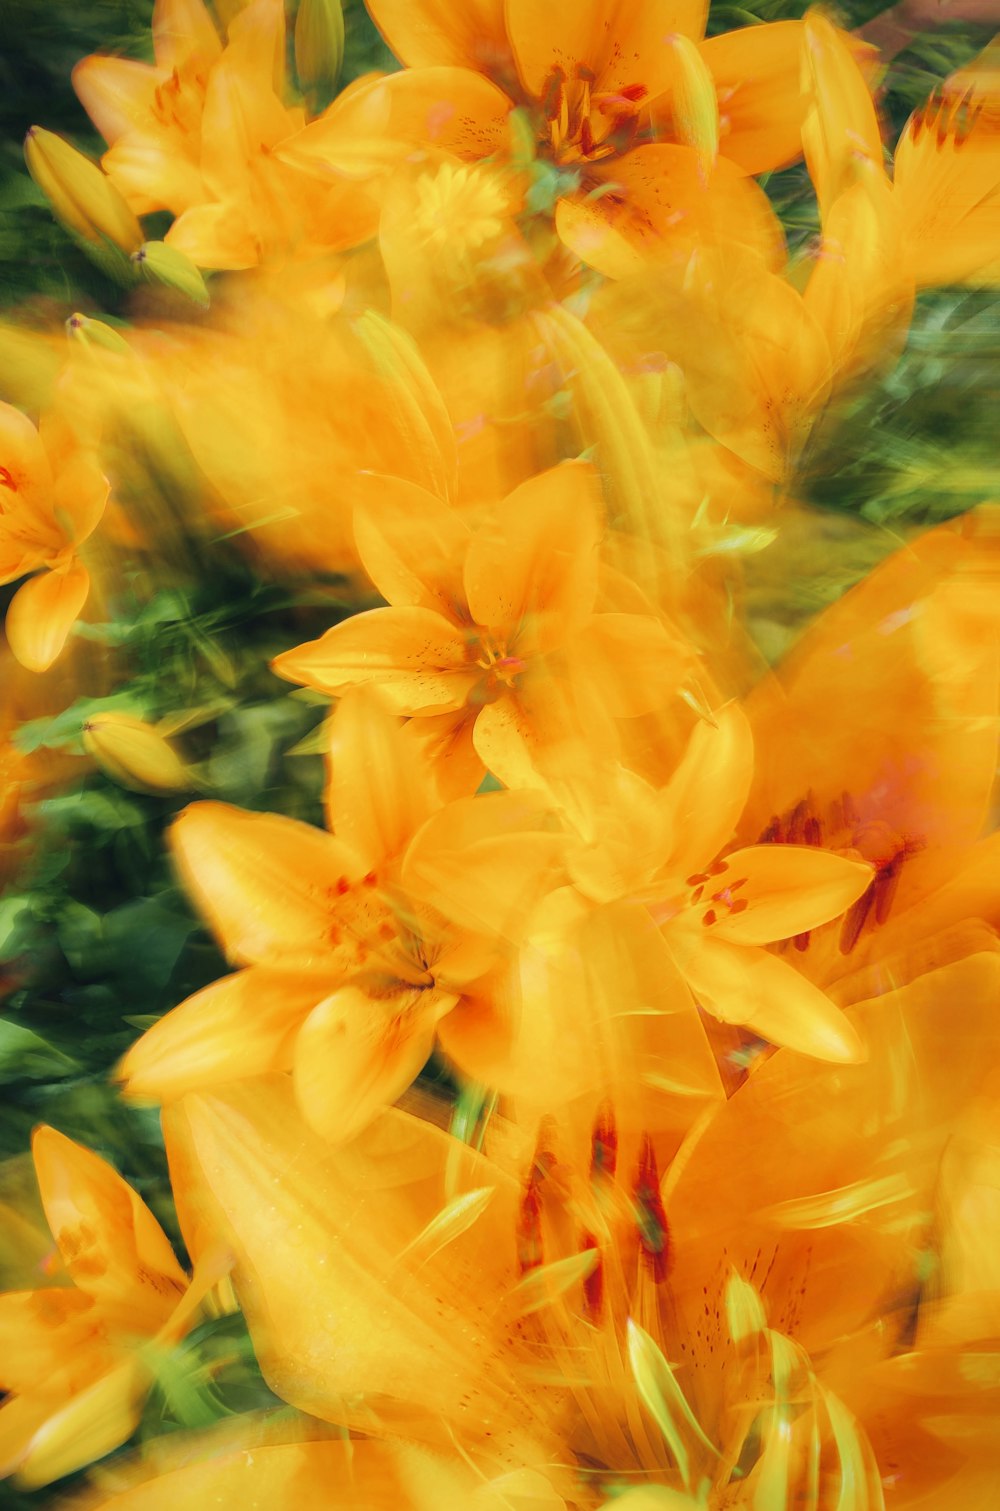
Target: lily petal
x,y
616,48
414,655
705,796
117,93
778,891
411,544
378,790
484,861
89,1425
361,1323
50,1342
111,1243
436,31
267,885
749,986
541,556
239,1026
757,77
357,1053
42,613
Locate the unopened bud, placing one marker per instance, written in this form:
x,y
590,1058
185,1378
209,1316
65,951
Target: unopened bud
x,y
319,44
420,410
90,334
695,104
135,754
160,263
81,196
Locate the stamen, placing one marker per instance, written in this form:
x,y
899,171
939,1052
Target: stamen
x,y
854,920
593,1284
651,1219
530,1244
604,1145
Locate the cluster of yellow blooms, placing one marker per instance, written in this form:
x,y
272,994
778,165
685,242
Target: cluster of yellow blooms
x,y
512,337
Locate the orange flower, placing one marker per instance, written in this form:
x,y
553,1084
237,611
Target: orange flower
x,y
563,1309
71,1354
492,643
195,133
946,187
716,907
628,107
356,943
877,737
51,497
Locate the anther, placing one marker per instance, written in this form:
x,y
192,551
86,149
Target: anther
x,y
651,1219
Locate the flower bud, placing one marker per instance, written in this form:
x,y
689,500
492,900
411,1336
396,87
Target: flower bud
x,y
90,334
135,754
81,196
160,263
319,44
695,104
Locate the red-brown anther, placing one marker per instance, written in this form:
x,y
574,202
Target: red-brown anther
x,y
343,886
855,919
530,1248
797,822
813,831
370,879
965,117
604,1145
801,941
593,1283
633,92
552,94
886,883
650,1217
708,918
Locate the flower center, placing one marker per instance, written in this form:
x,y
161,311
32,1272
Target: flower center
x,y
499,665
580,126
374,932
458,207
721,902
179,103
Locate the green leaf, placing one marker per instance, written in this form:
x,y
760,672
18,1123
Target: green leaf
x,y
24,1053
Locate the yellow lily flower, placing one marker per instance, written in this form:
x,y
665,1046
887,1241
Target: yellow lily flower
x,y
72,1355
877,736
494,644
196,133
716,907
648,130
563,1310
52,496
355,943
